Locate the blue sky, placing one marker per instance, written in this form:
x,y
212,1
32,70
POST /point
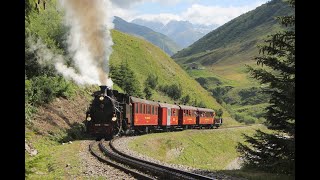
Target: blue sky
x,y
196,11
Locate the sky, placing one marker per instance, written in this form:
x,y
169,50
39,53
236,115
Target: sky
x,y
205,12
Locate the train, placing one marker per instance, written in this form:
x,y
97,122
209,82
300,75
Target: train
x,y
112,113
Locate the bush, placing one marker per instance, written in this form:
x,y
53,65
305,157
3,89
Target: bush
x,y
242,117
125,78
151,81
174,91
148,92
185,99
44,89
218,92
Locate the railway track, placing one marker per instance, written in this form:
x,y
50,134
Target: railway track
x,y
110,162
155,171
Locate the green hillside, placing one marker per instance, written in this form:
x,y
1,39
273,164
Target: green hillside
x,y
224,51
218,60
44,84
199,150
144,58
244,30
158,39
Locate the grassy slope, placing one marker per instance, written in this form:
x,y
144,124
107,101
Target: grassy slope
x,y
145,58
205,149
52,159
52,120
226,50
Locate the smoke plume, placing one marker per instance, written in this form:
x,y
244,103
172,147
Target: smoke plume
x,y
89,42
46,57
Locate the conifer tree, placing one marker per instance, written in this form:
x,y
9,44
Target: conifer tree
x,y
125,78
276,152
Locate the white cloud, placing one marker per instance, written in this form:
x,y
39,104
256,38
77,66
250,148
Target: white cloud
x,y
123,13
130,3
200,14
197,13
164,18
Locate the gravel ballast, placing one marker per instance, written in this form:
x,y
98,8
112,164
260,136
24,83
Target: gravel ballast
x,y
91,167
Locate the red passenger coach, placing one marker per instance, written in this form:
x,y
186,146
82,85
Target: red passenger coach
x,y
205,117
145,113
187,115
168,114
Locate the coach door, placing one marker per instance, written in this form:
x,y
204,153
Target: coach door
x,y
168,116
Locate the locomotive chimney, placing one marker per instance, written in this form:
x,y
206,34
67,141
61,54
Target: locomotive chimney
x,y
106,90
103,89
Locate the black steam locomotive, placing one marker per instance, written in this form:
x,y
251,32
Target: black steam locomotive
x,y
112,114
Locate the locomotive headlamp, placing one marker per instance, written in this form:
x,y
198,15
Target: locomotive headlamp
x,y
114,118
88,118
101,98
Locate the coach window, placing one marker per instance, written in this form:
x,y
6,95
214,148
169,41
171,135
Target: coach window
x,y
153,110
136,106
148,109
142,112
140,109
156,111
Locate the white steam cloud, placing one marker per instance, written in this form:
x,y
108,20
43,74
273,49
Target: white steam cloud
x,y
89,41
46,57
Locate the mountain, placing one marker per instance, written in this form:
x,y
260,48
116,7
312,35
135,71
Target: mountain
x,y
217,60
237,36
158,39
183,33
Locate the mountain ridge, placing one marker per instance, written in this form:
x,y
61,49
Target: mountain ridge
x,y
238,29
183,33
156,38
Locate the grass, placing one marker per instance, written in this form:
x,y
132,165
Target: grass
x,y
52,159
144,58
206,149
256,175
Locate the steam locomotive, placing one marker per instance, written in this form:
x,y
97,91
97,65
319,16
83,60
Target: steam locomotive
x,y
114,114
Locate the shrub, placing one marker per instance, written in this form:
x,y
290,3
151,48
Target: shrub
x,y
148,92
44,89
185,99
125,78
151,81
174,91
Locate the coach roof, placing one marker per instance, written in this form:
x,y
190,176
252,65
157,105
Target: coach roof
x,y
188,107
169,105
205,110
144,101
